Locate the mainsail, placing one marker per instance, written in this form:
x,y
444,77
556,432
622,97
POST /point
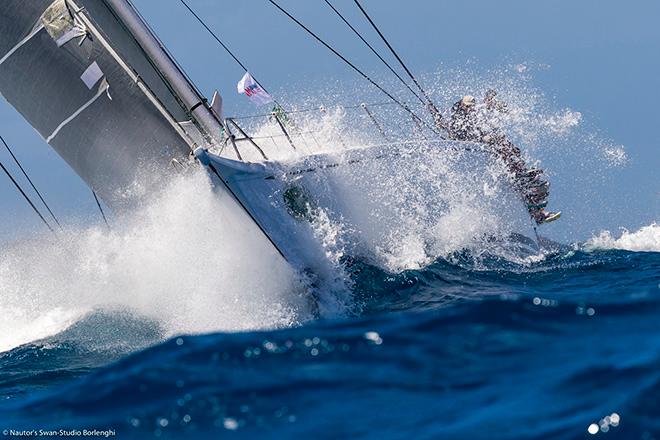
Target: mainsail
x,y
82,79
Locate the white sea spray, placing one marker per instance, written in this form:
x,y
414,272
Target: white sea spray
x,y
185,260
645,239
193,265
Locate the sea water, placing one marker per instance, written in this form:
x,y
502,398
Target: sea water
x,y
179,323
456,349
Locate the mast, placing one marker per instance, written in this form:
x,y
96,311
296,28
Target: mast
x,y
195,104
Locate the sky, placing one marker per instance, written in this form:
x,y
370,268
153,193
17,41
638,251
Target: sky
x,y
601,59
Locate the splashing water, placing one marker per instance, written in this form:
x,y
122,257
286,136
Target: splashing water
x,y
424,235
406,214
616,156
646,239
576,158
186,260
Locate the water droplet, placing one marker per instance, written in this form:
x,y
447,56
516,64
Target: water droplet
x,y
230,423
615,419
373,337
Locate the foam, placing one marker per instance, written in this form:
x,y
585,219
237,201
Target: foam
x,y
185,259
645,239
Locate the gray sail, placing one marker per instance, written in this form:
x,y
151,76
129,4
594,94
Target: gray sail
x,y
80,78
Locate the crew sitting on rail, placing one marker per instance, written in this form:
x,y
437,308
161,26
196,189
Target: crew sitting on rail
x,y
479,123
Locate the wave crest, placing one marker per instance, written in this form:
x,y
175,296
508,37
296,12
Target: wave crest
x,y
646,239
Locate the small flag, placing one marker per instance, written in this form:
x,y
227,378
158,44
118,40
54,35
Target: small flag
x,y
252,90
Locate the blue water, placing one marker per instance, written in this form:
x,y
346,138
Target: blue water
x,y
460,349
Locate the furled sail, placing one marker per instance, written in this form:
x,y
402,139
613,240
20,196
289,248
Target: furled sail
x,y
82,80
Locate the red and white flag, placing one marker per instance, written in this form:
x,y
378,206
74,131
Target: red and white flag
x,y
252,90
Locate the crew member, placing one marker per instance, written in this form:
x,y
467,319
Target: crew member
x,y
479,123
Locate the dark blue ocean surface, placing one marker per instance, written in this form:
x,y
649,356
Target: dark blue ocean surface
x,y
459,349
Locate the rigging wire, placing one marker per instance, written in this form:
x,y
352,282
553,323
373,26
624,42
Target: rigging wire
x,y
356,32
432,108
224,46
25,196
429,102
30,180
312,109
100,209
353,66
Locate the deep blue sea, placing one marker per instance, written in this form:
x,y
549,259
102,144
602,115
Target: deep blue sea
x,y
566,347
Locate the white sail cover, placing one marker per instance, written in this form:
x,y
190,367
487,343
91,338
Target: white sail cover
x,y
75,89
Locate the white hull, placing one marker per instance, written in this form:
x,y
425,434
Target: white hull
x,y
341,185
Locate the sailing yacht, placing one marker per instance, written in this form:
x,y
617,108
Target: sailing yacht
x,y
97,84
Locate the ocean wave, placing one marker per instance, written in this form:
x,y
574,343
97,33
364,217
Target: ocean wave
x,y
312,380
645,239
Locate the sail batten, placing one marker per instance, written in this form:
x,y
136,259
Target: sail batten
x,y
20,44
103,89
